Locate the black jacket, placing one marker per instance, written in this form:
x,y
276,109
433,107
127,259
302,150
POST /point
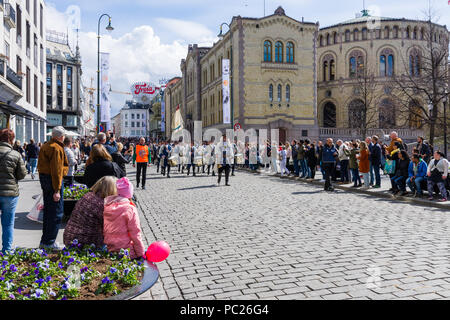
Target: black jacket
x,y
311,156
32,151
402,168
120,160
375,155
100,169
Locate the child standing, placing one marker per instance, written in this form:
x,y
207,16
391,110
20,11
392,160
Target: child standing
x,y
121,222
364,163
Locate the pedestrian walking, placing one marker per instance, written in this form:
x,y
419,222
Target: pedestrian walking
x,y
141,160
12,169
32,157
52,166
224,159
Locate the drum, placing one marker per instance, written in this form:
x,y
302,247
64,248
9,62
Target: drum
x,y
198,161
173,161
240,158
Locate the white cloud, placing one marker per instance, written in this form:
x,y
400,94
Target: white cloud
x,y
187,31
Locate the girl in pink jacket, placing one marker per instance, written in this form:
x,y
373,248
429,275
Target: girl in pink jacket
x,y
121,226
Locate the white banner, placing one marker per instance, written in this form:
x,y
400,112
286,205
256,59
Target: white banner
x,y
226,90
105,104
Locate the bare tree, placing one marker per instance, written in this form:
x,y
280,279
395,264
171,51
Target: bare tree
x,y
425,80
362,111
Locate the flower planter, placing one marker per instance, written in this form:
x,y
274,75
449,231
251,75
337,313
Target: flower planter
x,y
151,275
69,205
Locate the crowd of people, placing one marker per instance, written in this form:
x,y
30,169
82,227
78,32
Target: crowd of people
x,y
95,217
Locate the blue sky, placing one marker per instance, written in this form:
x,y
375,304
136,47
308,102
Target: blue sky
x,y
151,37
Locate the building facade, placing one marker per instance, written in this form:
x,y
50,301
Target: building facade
x,y
22,68
385,47
134,120
273,78
116,122
305,81
63,80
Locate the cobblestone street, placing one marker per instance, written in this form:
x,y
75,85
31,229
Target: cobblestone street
x,y
264,237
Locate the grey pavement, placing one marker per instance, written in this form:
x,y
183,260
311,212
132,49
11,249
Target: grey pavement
x,y
270,238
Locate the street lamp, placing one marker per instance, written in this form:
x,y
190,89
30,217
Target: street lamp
x,y
221,36
109,28
445,122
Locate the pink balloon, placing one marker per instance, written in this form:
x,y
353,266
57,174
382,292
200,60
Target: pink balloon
x,y
158,251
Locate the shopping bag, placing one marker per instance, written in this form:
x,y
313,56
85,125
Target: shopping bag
x,y
389,167
37,212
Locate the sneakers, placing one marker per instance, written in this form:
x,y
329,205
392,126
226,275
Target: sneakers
x,y
443,200
376,186
404,193
430,198
143,187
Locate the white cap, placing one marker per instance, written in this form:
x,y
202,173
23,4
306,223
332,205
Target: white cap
x,y
58,132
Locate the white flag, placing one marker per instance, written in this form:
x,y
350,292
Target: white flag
x,y
226,90
105,86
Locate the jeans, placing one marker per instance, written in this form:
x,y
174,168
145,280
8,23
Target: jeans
x,y
328,168
414,185
366,177
355,176
33,165
8,208
399,183
344,171
296,167
304,168
375,168
53,211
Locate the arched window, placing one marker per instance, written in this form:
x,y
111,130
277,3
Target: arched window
x,y
335,38
347,35
414,63
325,70
328,39
321,41
395,31
356,63
386,114
288,93
355,114
386,63
415,33
271,92
364,33
329,115
355,35
408,31
386,32
332,70
422,33
415,115
279,52
267,51
290,52
279,93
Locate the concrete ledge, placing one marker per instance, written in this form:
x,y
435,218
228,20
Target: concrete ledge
x,y
385,195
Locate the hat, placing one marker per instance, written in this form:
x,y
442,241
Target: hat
x,y
58,132
124,188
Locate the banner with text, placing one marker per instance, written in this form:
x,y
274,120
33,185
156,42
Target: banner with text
x,y
105,103
226,90
163,116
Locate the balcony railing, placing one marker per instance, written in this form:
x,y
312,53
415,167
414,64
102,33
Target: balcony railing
x,y
10,15
13,77
348,133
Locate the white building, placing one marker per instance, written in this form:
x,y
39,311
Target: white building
x,y
22,68
134,120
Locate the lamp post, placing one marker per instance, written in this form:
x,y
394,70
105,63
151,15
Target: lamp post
x,y
445,122
109,28
221,35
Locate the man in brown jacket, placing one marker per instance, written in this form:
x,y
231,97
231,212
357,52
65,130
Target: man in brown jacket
x,y
394,138
52,166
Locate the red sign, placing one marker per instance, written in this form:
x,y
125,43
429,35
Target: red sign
x,y
144,88
237,127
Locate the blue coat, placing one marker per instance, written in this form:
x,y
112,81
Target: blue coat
x,y
422,169
328,153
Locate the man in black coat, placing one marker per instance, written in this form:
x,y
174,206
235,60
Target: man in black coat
x,y
375,160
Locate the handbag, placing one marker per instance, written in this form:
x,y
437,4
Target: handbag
x,y
389,166
37,212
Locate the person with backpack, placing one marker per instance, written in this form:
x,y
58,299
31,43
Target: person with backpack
x,y
437,173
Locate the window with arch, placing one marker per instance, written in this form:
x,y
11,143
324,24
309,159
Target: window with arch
x,y
395,32
328,39
271,92
356,63
414,63
355,114
386,32
332,70
414,35
335,38
279,52
355,34
408,32
328,67
386,114
347,35
288,93
386,63
422,33
364,33
267,51
325,70
290,52
279,93
321,40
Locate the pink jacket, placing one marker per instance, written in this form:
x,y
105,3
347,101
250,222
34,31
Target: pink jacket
x,y
121,226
